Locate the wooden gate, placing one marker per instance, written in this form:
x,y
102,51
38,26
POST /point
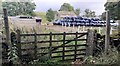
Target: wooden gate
x,y
60,46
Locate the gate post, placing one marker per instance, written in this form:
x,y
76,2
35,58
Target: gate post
x,y
18,42
7,32
35,45
90,42
50,46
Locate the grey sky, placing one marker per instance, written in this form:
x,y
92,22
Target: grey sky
x,y
94,5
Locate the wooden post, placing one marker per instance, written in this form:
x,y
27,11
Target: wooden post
x,y
107,35
76,46
7,28
63,54
18,42
50,45
119,45
90,42
35,46
119,28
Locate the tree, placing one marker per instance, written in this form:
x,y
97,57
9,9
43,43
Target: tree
x,y
114,8
103,16
50,15
66,7
93,14
89,13
77,11
18,8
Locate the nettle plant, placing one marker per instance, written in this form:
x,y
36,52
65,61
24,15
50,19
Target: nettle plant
x,y
13,50
13,54
110,58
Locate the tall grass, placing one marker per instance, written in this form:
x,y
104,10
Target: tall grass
x,y
109,59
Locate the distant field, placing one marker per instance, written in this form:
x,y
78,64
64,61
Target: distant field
x,y
29,24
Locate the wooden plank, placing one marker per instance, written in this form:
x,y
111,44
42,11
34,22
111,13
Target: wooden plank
x,y
18,42
50,45
52,34
63,54
72,59
33,34
48,41
68,55
69,51
62,46
76,45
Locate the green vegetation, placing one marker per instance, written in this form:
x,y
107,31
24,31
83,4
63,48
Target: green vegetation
x,y
42,15
114,8
69,7
19,8
50,15
66,7
89,13
103,16
49,63
77,11
109,59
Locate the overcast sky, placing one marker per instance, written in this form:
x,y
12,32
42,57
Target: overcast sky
x,y
94,5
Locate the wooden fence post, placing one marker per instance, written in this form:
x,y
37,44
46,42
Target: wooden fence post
x,y
76,35
35,45
63,54
50,46
7,33
18,42
107,35
90,43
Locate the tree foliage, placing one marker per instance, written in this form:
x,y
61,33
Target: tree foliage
x,y
66,7
114,8
89,13
103,16
19,8
50,15
77,11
